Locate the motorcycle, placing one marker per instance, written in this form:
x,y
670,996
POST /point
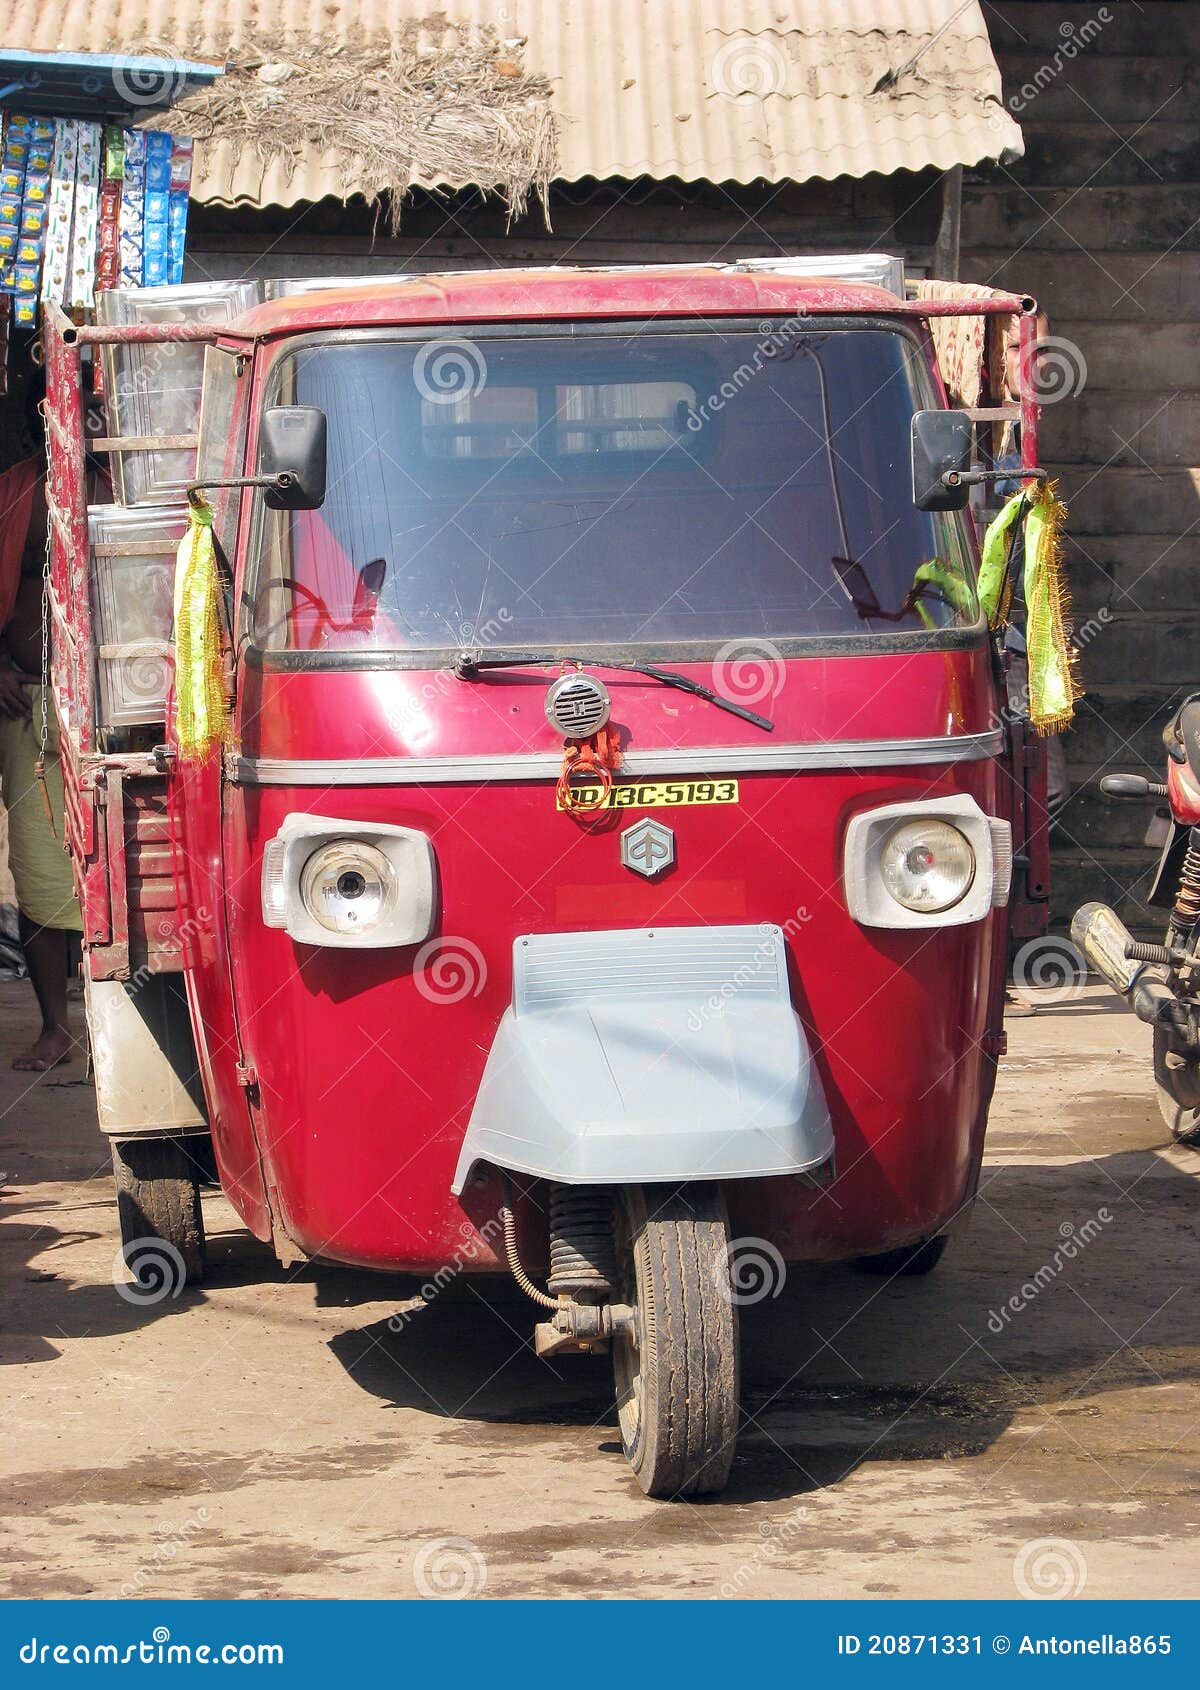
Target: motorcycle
x,y
1161,982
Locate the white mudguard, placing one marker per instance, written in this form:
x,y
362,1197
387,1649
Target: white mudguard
x,y
638,1056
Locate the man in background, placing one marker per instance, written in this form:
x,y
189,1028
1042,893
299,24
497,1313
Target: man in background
x,y
49,915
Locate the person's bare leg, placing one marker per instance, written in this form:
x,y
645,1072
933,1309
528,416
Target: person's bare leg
x,y
47,953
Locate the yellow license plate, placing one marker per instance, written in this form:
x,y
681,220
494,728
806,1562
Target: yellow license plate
x,y
658,794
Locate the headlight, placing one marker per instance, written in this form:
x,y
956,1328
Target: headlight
x,y
348,887
927,865
349,884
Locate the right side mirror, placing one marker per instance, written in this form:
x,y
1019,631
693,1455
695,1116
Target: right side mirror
x,y
941,444
291,441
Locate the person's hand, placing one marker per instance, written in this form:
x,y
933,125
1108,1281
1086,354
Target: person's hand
x,y
14,700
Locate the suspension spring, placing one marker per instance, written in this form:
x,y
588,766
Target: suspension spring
x,y
1187,902
583,1261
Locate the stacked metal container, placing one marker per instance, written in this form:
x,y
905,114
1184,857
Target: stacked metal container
x,y
151,392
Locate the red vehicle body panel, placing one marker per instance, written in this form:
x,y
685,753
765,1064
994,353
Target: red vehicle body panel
x,y
360,1122
1182,793
340,1081
693,291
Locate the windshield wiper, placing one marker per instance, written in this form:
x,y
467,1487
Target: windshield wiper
x,y
469,664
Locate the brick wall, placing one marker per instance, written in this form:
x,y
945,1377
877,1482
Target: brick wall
x,y
1101,220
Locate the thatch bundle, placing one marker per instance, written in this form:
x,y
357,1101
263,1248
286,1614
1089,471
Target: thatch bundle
x,y
433,106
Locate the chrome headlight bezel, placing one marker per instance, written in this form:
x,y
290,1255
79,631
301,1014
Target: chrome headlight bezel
x,y
402,857
867,836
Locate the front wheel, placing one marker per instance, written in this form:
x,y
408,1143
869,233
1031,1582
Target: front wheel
x,y
1177,1082
158,1205
677,1373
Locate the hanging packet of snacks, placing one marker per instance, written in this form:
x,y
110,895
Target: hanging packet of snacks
x,y
133,205
13,154
35,207
108,245
86,207
87,217
61,209
177,208
157,212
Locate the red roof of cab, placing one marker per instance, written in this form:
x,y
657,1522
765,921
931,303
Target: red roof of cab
x,y
549,294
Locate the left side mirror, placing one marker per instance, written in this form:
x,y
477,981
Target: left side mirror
x,y
941,444
292,442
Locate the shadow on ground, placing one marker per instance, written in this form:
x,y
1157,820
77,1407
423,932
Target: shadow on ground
x,y
842,1368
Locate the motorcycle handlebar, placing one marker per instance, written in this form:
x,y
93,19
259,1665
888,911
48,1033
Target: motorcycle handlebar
x,y
1131,786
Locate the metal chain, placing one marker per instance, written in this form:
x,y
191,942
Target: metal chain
x,y
45,699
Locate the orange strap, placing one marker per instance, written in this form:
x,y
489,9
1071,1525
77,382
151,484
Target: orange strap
x,y
593,761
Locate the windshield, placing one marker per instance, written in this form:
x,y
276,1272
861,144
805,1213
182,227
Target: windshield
x,y
648,490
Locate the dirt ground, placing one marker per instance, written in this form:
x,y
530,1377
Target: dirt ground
x,y
269,1435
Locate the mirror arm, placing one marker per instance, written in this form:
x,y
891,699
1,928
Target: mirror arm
x,y
973,477
281,482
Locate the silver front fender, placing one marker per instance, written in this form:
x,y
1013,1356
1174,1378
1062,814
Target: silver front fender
x,y
628,1057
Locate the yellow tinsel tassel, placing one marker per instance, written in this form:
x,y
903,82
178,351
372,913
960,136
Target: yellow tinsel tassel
x,y
1054,687
201,717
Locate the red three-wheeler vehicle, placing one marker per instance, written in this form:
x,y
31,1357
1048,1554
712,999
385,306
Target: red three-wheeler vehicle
x,y
603,872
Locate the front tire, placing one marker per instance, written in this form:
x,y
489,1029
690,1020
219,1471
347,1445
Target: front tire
x,y
677,1384
1177,1083
158,1197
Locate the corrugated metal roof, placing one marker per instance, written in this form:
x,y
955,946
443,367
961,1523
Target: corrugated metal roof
x,y
716,90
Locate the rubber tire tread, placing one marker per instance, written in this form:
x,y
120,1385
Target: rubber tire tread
x,y
158,1196
690,1411
1183,1121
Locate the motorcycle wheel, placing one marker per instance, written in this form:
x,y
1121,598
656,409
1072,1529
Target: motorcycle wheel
x,y
677,1379
158,1205
1177,1082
